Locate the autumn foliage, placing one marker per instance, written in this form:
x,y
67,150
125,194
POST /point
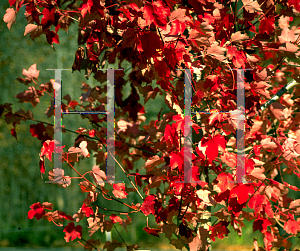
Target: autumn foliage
x,y
160,39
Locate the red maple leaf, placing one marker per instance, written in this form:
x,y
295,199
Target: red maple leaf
x,y
12,2
149,43
238,57
47,149
295,3
156,13
119,191
171,136
42,165
242,192
267,25
212,82
52,37
87,210
86,7
38,131
115,218
176,160
48,17
72,232
37,211
13,132
210,146
260,202
220,230
261,225
148,205
152,231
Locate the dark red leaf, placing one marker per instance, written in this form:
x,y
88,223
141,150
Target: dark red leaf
x,y
148,205
152,231
72,232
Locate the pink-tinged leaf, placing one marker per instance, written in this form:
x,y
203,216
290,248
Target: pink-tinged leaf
x,y
30,28
287,35
229,159
196,244
152,162
251,6
148,205
261,88
290,149
217,52
279,111
289,47
238,37
268,239
258,173
9,17
225,182
119,191
31,73
72,232
291,227
115,218
268,144
99,176
84,150
179,15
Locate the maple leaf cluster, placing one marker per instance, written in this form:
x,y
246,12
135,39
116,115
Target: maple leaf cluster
x,y
160,40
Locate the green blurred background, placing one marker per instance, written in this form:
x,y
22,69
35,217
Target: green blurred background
x,y
20,180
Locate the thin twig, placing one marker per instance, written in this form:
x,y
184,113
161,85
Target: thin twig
x,y
89,244
127,176
283,90
96,186
121,237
